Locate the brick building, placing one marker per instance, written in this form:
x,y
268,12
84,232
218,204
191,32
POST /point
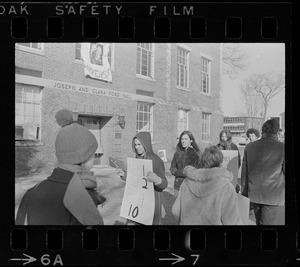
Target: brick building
x,y
163,88
240,124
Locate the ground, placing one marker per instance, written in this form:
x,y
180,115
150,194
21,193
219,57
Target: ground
x,y
110,186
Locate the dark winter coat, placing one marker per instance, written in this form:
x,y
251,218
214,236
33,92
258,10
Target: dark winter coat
x,y
263,171
43,204
182,158
158,169
229,145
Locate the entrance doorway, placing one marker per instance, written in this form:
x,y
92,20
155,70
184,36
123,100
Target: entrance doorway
x,y
95,124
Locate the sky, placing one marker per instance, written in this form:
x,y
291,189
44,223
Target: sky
x,y
262,58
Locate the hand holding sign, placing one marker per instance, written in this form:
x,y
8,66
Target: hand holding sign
x,y
138,199
152,177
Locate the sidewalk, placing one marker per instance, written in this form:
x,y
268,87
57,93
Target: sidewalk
x,y
110,186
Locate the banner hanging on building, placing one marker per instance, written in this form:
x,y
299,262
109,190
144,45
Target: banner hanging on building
x,y
97,60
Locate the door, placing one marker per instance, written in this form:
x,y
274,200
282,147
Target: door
x,y
94,125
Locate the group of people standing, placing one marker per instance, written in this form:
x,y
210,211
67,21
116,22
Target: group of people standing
x,y
206,195
202,187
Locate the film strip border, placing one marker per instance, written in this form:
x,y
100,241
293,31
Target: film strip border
x,y
118,245
145,246
119,21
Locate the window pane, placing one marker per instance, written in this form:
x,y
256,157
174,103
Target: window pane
x,y
24,44
28,109
149,64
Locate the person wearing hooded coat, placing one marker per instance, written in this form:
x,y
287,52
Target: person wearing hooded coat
x,y
207,196
142,147
68,196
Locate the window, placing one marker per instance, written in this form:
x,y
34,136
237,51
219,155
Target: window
x,y
205,75
145,60
27,112
182,121
28,72
78,51
182,68
34,48
144,121
37,46
205,126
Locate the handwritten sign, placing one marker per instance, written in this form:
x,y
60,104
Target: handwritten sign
x,y
138,200
230,162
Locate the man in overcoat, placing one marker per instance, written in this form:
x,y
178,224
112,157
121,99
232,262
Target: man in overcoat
x,y
263,174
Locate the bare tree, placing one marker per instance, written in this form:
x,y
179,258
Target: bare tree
x,y
253,106
234,59
266,86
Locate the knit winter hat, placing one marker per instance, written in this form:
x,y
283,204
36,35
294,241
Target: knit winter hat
x,y
74,143
64,117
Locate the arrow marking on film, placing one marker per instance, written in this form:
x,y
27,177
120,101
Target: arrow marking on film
x,y
177,259
27,260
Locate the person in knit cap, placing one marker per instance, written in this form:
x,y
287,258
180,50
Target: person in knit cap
x,y
207,196
67,196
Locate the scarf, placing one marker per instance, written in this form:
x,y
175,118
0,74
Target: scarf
x,y
77,200
226,145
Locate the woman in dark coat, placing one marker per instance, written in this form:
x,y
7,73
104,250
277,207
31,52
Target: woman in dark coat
x,y
187,153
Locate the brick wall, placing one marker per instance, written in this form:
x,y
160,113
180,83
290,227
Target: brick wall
x,y
58,63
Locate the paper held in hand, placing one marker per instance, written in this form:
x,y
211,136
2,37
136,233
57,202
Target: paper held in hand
x,y
138,200
117,163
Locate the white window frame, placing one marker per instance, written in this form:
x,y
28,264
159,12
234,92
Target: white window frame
x,y
206,73
186,67
31,49
205,136
112,63
150,130
78,59
182,125
32,101
152,58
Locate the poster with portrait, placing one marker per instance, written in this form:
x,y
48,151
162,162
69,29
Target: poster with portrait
x,y
230,161
138,199
97,60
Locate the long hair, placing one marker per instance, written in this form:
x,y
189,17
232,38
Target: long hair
x,y
228,134
193,144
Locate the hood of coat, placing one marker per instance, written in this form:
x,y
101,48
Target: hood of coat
x,y
145,139
203,182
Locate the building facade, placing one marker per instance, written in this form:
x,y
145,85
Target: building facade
x,y
116,90
239,125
